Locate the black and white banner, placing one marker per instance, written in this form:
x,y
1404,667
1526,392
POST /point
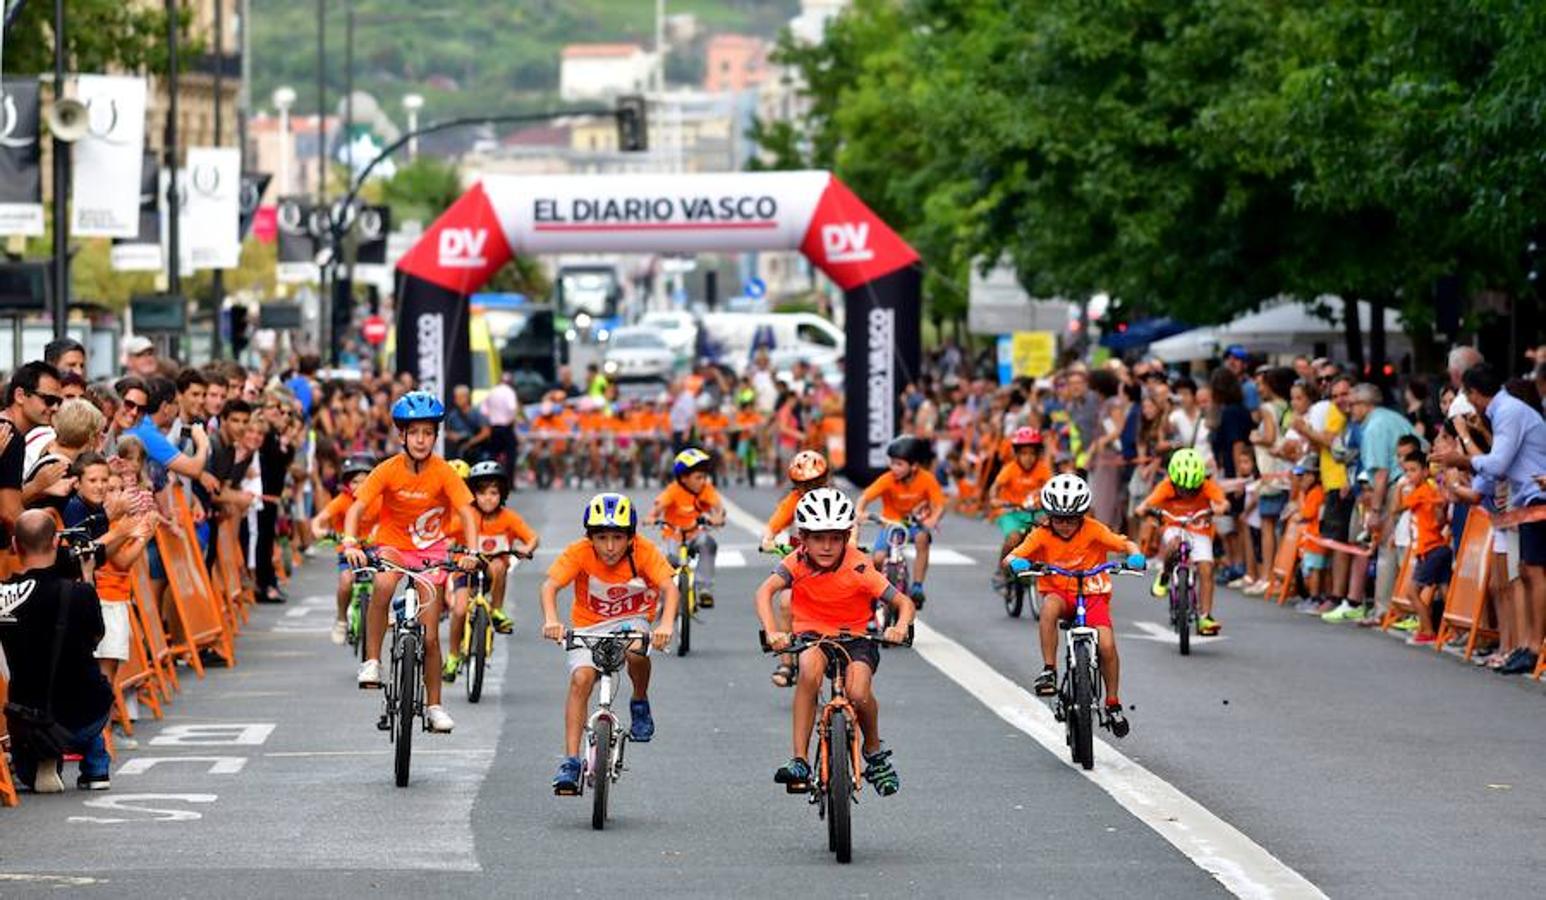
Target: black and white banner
x,y
105,188
21,182
432,335
253,186
143,252
371,229
212,225
297,246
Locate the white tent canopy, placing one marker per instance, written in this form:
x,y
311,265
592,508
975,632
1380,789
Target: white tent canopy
x,y
1287,326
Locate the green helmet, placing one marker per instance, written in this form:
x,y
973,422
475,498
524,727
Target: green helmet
x,y
1187,470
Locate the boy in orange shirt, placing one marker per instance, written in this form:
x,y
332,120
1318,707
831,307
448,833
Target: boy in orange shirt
x,y
1188,491
499,529
745,427
618,578
331,521
1307,482
1420,495
807,472
1071,540
908,489
686,500
1017,487
551,429
418,491
834,588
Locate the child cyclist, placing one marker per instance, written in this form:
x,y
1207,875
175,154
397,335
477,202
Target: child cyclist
x,y
908,489
331,521
807,472
1018,486
834,587
679,507
418,491
1187,491
1071,540
499,529
618,578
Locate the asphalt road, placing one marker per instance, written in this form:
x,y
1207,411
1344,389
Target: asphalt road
x,y
1344,762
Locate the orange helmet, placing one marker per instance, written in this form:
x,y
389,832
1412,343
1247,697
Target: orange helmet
x,y
807,465
1025,437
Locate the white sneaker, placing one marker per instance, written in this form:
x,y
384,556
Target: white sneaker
x,y
1240,582
1256,589
370,674
47,780
340,633
439,720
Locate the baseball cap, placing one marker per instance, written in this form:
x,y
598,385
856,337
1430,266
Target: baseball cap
x,y
1238,351
1310,464
137,344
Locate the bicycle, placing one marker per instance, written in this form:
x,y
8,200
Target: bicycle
x,y
478,633
604,742
894,537
402,697
1184,610
359,604
1017,594
686,566
1078,703
836,777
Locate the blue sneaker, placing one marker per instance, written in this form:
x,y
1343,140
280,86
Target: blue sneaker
x,y
795,776
916,593
567,782
641,726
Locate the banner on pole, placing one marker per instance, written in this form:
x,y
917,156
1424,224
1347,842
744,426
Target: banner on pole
x,y
213,208
142,253
253,186
107,161
373,225
297,248
21,181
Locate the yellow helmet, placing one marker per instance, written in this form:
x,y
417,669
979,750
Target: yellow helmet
x,y
1187,470
610,512
460,467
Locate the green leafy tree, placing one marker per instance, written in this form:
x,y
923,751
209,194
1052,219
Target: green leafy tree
x,y
101,36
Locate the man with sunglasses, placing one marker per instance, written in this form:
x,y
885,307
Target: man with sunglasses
x,y
32,397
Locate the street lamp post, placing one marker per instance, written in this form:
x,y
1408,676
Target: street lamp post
x,y
218,280
61,310
284,98
412,103
174,281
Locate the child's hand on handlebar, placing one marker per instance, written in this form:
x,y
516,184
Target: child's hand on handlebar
x,y
779,640
553,630
660,637
896,634
356,557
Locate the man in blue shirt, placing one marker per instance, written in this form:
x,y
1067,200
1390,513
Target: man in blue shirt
x,y
1238,360
1518,458
161,409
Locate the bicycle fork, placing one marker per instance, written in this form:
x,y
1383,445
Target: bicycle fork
x,y
604,762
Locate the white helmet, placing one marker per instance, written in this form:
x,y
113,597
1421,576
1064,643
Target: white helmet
x,y
824,509
1065,495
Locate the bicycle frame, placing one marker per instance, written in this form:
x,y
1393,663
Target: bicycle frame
x,y
606,694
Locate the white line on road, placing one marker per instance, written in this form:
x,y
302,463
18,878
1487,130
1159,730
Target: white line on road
x,y
1241,865
304,754
1164,634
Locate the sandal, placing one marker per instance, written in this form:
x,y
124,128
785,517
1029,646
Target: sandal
x,y
783,675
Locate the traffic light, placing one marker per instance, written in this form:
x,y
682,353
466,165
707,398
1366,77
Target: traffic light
x,y
633,132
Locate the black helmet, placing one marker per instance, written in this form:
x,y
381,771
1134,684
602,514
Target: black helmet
x,y
913,449
486,470
357,465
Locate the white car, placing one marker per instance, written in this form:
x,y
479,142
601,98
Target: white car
x,y
679,330
636,353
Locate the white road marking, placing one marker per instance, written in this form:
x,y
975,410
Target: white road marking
x,y
1241,865
131,803
1154,631
218,765
730,559
308,754
946,556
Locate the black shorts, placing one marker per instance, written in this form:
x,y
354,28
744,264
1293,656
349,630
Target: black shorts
x,y
1337,515
1433,567
1532,543
860,650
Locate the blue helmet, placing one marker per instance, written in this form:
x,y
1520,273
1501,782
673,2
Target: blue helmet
x,y
610,512
418,406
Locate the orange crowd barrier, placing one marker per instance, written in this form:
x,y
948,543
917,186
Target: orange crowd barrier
x,y
147,611
1280,582
1401,594
1465,599
197,621
7,785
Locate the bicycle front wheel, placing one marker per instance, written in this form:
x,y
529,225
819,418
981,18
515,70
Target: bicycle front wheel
x,y
1181,608
601,771
684,589
406,678
477,653
1082,717
1014,598
840,787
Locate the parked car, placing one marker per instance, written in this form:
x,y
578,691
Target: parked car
x,y
636,353
679,329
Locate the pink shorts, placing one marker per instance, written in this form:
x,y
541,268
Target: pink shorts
x,y
1097,609
414,559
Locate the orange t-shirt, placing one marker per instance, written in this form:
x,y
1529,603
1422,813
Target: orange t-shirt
x,y
338,507
1089,547
1424,502
414,505
834,601
602,592
495,533
641,422
1015,485
1310,510
898,500
592,423
680,508
713,422
783,515
1165,497
748,420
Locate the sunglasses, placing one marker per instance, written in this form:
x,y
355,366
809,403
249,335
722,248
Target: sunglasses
x,y
48,399
132,406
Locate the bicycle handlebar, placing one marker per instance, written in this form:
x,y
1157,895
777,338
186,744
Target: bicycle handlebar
x,y
804,642
1121,568
575,640
1180,520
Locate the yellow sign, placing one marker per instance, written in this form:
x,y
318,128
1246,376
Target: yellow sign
x,y
1033,353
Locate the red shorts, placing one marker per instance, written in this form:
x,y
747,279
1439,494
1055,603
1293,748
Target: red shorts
x,y
1097,609
415,559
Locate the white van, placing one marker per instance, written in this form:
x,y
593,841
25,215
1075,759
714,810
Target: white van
x,y
804,336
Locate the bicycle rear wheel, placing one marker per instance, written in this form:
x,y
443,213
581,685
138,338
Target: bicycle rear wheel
x,y
601,771
406,679
477,652
1181,608
840,786
1082,717
684,591
1014,598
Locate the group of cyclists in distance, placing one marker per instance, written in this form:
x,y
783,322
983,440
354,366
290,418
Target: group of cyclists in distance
x,y
445,518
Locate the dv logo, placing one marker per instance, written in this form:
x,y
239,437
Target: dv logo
x,y
846,242
462,248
